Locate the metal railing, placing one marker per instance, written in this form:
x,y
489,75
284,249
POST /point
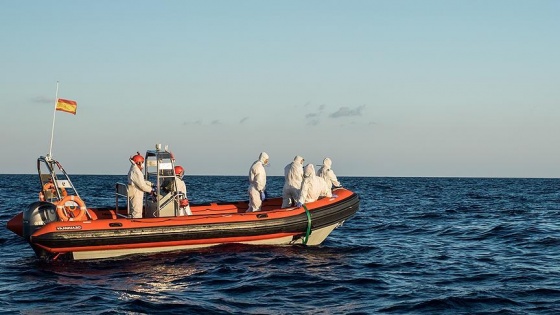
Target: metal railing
x,y
121,190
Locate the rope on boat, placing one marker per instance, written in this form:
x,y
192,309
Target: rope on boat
x,y
308,225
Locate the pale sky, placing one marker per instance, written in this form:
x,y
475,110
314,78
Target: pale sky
x,y
384,88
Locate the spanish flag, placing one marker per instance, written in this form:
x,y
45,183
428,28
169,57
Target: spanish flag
x,y
67,106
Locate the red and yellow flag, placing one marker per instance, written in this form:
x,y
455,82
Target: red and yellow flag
x,y
67,106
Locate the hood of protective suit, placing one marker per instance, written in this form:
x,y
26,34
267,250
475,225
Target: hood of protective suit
x,y
308,170
263,157
298,159
327,163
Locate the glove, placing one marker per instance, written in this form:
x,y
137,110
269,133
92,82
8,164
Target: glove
x,y
298,204
183,203
334,196
263,195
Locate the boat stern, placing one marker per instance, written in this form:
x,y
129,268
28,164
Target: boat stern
x,y
16,224
36,216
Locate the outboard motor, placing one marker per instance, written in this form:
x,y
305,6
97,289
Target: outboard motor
x,y
36,216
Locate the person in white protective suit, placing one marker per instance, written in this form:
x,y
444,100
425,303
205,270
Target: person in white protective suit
x,y
312,187
184,207
257,183
293,177
137,186
327,173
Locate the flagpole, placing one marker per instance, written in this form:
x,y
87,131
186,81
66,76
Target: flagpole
x,y
54,117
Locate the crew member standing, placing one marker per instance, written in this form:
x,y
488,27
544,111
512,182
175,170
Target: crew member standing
x,y
137,186
184,207
293,177
327,174
313,187
257,183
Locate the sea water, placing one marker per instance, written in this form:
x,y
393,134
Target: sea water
x,y
416,246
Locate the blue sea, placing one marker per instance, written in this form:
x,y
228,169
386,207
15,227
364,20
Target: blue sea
x,y
416,246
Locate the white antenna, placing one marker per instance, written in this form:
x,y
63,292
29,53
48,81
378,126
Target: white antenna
x,y
54,117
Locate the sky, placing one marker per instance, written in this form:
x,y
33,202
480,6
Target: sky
x,y
384,88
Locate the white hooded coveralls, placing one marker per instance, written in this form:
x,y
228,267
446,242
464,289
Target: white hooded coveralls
x,y
327,173
257,182
313,186
293,177
137,186
181,190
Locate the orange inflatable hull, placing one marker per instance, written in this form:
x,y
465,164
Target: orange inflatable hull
x,y
110,234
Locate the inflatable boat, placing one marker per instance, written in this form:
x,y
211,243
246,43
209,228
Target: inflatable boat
x,y
61,226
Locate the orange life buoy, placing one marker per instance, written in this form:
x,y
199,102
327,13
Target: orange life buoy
x,y
71,213
50,187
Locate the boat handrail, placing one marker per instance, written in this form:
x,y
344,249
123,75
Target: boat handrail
x,y
121,190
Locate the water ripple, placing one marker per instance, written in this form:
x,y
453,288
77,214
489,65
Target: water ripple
x,y
417,246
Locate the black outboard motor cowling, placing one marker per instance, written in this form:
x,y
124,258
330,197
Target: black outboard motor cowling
x,y
36,216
